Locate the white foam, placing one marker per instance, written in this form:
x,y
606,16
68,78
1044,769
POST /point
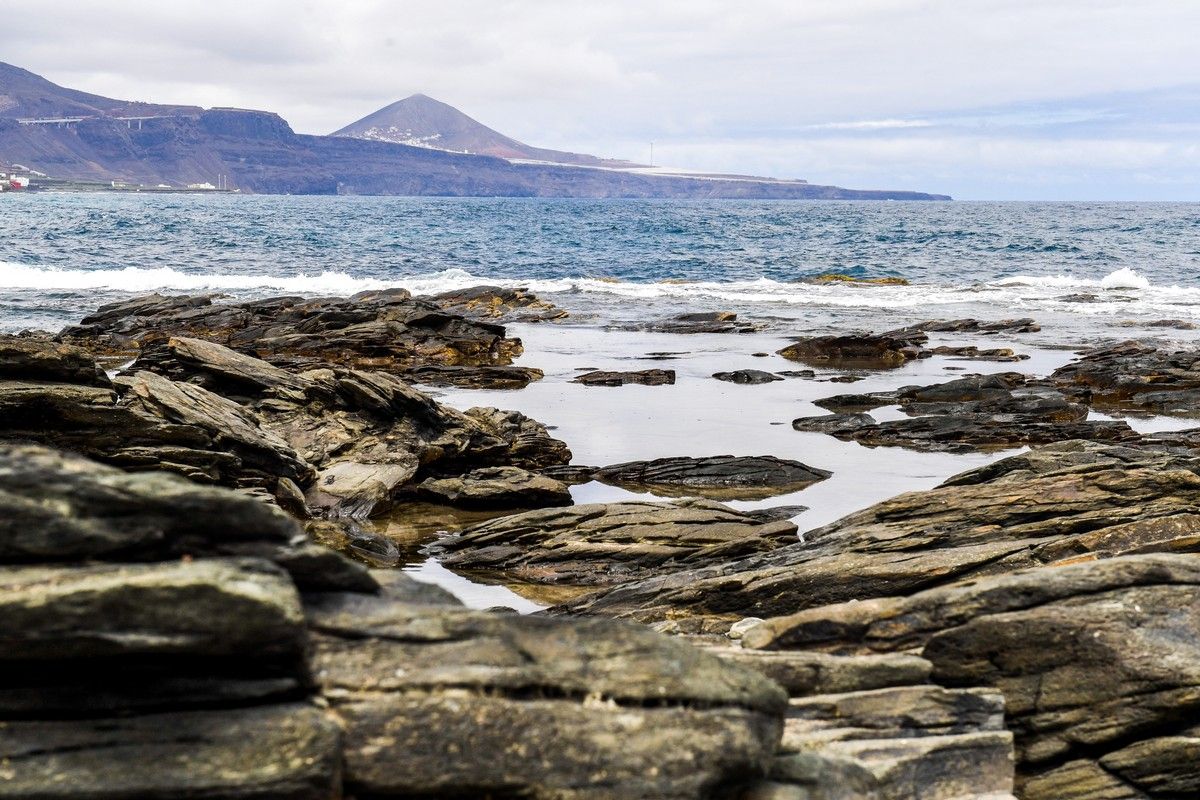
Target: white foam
x,y
1124,278
136,279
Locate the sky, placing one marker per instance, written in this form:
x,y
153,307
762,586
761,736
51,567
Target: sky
x,y
981,99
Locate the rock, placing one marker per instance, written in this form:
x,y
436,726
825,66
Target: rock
x,y
213,608
833,423
605,544
646,377
975,354
387,330
1058,503
835,277
1175,324
1095,660
287,752
848,404
522,441
36,359
542,706
496,303
475,377
722,477
845,379
701,322
748,376
1024,325
356,490
860,350
1136,377
797,373
775,512
496,487
804,673
975,412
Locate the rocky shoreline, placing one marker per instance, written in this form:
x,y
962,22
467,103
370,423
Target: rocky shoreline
x,y
198,603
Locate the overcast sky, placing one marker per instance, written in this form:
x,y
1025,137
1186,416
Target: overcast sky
x,y
983,99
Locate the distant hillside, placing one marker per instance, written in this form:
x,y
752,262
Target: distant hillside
x,y
257,151
421,121
26,95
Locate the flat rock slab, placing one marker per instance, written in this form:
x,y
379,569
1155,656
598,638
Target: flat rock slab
x,y
1135,376
646,377
747,376
605,544
720,477
858,350
475,377
37,359
287,752
497,304
542,706
496,487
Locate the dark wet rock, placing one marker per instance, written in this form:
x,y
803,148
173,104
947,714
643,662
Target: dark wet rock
x,y
387,330
797,373
571,474
606,544
37,359
837,277
498,304
722,477
751,376
702,322
646,377
472,377
843,404
833,423
972,353
496,487
1085,297
804,673
1058,503
1135,376
861,350
288,752
1024,325
975,412
1174,324
420,687
1095,661
845,379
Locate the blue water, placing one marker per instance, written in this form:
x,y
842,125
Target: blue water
x,y
65,253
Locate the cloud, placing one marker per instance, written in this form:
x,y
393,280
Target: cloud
x,y
619,74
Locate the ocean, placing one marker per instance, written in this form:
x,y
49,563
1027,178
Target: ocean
x,y
1077,266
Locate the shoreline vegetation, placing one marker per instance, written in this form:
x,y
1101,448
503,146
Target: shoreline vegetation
x,y
200,599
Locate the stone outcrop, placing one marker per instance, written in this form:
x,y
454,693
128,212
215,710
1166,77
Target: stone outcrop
x,y
858,350
701,322
1058,503
388,330
607,544
1095,661
1133,376
719,477
167,667
645,377
975,412
497,304
496,487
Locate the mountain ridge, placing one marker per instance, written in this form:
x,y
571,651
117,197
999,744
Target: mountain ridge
x,y
75,135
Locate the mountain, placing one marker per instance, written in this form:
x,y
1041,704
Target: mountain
x,y
75,135
26,95
421,121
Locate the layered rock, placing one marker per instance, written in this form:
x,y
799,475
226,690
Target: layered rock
x,y
606,544
1095,661
747,376
146,675
496,487
498,304
975,412
862,350
1054,504
720,477
645,377
387,330
701,322
1133,376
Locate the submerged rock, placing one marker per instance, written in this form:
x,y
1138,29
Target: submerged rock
x,y
475,377
702,322
646,377
747,376
606,544
721,477
861,350
969,325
